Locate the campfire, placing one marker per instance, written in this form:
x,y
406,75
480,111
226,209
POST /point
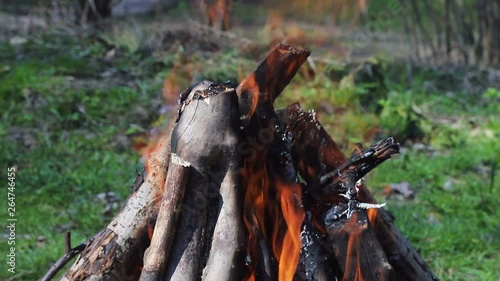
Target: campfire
x,y
237,190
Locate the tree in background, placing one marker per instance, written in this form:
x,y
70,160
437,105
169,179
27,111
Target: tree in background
x,y
465,31
93,10
217,12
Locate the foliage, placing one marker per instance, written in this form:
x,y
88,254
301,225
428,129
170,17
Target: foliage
x,y
492,100
402,118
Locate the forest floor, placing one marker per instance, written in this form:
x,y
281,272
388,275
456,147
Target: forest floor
x,y
79,106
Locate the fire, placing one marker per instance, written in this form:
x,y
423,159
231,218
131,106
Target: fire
x,y
251,94
171,88
179,78
293,215
149,149
352,269
152,155
273,213
372,216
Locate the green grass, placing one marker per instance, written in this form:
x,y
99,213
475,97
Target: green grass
x,y
456,230
68,142
70,115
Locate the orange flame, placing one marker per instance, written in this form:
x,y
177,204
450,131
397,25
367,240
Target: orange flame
x,y
372,216
294,215
352,269
171,88
153,157
151,148
254,209
251,93
179,78
273,211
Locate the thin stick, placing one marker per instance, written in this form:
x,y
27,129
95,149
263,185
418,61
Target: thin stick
x,y
361,163
67,239
69,255
156,255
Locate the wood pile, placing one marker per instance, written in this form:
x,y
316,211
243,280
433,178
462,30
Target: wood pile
x,y
236,190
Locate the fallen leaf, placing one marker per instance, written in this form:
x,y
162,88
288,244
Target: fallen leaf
x,y
41,241
448,185
402,191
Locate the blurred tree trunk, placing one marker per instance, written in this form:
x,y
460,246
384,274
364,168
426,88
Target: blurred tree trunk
x,y
469,30
136,7
217,13
93,10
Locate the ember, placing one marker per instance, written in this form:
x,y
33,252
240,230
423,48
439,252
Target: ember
x,y
238,191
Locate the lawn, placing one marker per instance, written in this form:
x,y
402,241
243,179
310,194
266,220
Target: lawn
x,y
77,110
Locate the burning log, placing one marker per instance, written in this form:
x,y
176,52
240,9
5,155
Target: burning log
x,y
234,171
357,250
260,89
355,245
316,155
272,212
349,237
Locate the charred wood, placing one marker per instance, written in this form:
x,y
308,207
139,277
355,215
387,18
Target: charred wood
x,y
260,89
357,250
317,261
357,166
268,172
313,165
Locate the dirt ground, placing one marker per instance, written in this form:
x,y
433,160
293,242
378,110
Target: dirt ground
x,y
265,28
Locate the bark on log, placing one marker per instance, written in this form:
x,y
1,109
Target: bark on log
x,y
315,154
116,253
156,255
227,251
210,232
